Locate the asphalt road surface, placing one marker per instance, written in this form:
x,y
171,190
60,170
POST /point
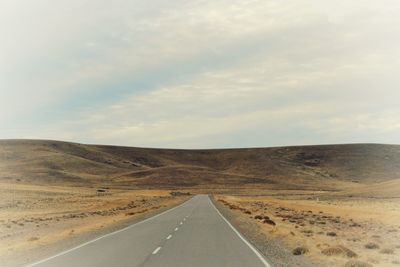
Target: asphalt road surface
x,y
192,234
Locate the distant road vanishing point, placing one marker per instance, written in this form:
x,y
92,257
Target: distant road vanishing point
x,y
194,233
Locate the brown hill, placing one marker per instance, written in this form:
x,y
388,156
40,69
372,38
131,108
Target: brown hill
x,y
326,167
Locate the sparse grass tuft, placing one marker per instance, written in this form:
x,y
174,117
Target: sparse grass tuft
x,y
372,245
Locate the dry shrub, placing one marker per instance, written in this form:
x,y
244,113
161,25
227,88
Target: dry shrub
x,y
34,238
339,251
233,207
372,245
269,221
300,251
355,263
223,201
331,234
387,251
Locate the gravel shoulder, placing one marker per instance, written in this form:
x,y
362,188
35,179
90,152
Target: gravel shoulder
x,y
277,254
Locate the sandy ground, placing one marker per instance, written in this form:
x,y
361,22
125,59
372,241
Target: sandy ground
x,y
37,217
328,229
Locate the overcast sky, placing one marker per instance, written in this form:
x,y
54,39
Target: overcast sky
x,y
200,73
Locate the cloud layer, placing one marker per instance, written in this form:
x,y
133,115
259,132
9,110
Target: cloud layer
x,y
199,74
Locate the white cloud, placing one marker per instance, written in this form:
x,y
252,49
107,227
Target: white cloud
x,y
294,72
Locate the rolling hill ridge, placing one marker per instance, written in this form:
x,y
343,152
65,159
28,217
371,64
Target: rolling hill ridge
x,y
325,167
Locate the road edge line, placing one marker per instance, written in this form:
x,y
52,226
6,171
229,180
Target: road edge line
x,y
258,254
106,235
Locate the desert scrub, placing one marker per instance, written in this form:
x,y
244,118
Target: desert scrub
x,y
300,250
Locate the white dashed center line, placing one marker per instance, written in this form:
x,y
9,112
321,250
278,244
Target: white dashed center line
x,y
156,250
169,237
180,223
184,219
176,229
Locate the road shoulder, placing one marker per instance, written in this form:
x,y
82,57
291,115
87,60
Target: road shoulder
x,y
273,249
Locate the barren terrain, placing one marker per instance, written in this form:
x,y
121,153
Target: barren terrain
x,y
34,218
332,204
330,229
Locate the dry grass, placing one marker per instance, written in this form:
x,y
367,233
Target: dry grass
x,y
32,216
333,229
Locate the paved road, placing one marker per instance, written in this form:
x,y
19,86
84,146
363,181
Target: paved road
x,y
192,234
